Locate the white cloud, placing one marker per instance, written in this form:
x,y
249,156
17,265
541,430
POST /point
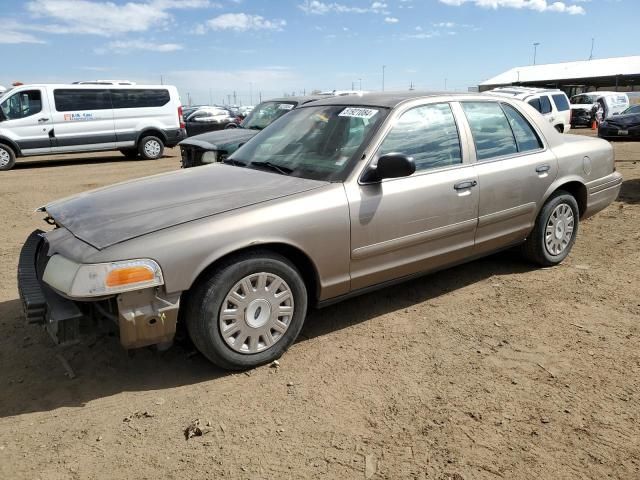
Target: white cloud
x,y
538,5
107,18
130,46
391,20
13,36
242,22
316,7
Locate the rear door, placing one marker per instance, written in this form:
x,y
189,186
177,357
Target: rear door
x,y
83,119
408,225
514,171
27,120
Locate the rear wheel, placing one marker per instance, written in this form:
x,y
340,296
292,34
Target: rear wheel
x,y
248,311
554,232
7,158
151,148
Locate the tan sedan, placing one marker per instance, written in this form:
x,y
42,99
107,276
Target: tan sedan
x,y
335,199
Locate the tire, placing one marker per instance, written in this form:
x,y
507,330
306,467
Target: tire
x,y
151,148
550,241
213,334
7,157
129,152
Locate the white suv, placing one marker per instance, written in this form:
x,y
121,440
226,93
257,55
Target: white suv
x,y
553,104
137,120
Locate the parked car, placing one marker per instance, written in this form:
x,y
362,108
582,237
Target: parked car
x,y
52,119
209,119
587,107
624,125
216,146
553,104
336,198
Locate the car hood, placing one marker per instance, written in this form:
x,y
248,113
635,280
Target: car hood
x,y
128,210
625,120
221,140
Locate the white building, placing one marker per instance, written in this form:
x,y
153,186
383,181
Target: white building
x,y
619,73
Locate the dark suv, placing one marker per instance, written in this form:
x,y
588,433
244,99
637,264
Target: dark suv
x,y
214,147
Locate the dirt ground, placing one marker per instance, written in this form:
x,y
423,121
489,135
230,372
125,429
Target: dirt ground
x,y
493,369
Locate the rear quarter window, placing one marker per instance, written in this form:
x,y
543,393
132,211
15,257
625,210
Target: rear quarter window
x,y
535,103
561,102
139,98
545,105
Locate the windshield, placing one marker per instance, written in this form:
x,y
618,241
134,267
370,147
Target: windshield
x,y
266,113
312,142
633,109
583,99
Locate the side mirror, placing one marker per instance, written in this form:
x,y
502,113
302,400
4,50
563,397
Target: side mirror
x,y
391,165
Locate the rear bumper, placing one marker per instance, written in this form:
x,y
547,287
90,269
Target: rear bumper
x,y
602,193
614,132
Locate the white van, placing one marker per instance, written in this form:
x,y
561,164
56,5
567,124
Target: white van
x,y
587,107
137,120
553,104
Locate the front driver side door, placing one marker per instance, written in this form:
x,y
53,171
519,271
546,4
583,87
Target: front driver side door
x,y
418,223
26,115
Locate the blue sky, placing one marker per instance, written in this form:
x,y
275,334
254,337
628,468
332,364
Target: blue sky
x,y
209,48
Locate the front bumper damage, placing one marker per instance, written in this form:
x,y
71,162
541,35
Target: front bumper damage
x,y
143,317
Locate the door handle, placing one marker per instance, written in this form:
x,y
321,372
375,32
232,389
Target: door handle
x,y
542,168
42,120
464,185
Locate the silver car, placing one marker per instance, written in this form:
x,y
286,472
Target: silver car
x,y
336,198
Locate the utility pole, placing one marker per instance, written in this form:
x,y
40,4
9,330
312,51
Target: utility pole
x,y
360,81
535,51
445,84
251,93
162,80
228,99
210,97
260,94
352,87
235,102
591,54
411,86
188,99
383,68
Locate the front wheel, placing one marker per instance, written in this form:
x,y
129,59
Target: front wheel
x,y
554,232
248,311
7,158
151,148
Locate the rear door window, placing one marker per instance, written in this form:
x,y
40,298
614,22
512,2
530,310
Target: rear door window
x,y
561,102
526,137
428,134
545,104
491,130
74,100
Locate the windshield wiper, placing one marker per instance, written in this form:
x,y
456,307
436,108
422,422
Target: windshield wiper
x,y
231,161
254,127
277,168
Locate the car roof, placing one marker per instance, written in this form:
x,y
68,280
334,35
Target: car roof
x,y
386,99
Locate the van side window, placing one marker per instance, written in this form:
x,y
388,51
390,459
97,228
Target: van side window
x,y
137,98
77,100
490,129
561,102
535,103
22,104
428,134
526,137
545,104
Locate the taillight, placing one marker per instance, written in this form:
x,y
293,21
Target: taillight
x,y
181,118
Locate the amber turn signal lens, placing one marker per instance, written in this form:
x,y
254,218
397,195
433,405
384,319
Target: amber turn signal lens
x,y
128,275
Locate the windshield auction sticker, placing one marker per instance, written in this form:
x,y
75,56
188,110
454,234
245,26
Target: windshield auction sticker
x,y
366,113
285,106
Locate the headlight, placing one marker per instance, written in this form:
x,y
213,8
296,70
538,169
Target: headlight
x,y
98,279
209,157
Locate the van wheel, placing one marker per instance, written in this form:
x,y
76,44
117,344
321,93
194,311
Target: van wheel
x,y
554,232
248,311
7,158
151,148
129,152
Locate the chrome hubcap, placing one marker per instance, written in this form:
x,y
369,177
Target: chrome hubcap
x,y
256,313
152,148
4,157
559,229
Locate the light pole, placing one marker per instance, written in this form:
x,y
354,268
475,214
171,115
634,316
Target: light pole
x,y
591,54
383,67
251,93
535,51
360,82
